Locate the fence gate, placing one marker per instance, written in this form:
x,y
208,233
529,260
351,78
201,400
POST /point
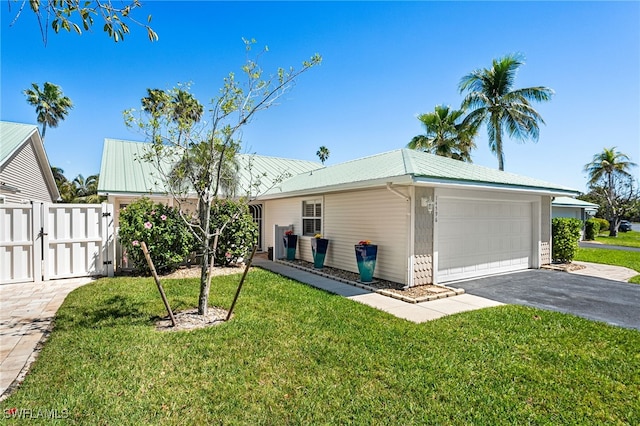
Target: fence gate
x,y
43,241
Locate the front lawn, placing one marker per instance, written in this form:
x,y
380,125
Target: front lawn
x,y
626,239
628,259
296,355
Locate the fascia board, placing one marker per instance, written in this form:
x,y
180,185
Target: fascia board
x,y
442,183
43,161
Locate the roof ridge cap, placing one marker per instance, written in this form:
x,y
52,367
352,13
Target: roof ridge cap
x,y
407,160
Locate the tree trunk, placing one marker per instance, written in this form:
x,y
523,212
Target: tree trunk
x,y
205,282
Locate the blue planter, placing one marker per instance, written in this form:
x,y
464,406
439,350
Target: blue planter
x,y
319,250
290,242
366,257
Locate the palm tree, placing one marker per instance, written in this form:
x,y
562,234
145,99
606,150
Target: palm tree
x,y
607,171
446,134
51,105
185,111
155,104
323,154
67,192
85,187
493,100
58,175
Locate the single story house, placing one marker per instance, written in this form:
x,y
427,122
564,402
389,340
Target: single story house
x,y
125,177
573,208
434,219
25,173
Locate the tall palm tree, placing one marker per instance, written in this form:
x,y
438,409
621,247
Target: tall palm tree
x,y
323,154
606,171
446,134
51,105
493,100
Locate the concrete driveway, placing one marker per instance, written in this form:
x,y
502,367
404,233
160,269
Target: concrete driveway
x,y
598,299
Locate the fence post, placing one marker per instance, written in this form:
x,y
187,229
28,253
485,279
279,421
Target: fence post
x,y
108,239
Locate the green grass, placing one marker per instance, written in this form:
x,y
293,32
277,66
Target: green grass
x,y
626,239
628,259
296,355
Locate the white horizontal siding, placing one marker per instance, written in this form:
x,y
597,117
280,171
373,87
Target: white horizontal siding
x,y
24,172
284,212
377,215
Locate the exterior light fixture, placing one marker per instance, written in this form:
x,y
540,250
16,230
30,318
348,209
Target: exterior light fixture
x,y
428,203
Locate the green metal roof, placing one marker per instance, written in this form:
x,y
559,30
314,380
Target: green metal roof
x,y
122,172
12,136
409,167
573,202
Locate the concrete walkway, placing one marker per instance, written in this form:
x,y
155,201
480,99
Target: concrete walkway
x,y
26,312
415,312
609,272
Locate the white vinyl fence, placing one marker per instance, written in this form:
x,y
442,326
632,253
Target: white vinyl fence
x,y
43,241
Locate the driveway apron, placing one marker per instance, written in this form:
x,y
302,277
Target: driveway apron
x,y
598,299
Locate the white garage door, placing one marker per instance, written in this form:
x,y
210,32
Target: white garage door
x,y
477,237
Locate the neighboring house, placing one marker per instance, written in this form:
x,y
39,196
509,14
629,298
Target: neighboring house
x,y
25,173
434,219
573,208
125,177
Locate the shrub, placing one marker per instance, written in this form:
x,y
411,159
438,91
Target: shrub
x,y
238,236
565,233
165,233
604,224
591,229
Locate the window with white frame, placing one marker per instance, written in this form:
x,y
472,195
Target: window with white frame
x,y
311,217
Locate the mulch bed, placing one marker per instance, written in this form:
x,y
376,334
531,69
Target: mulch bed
x,y
416,294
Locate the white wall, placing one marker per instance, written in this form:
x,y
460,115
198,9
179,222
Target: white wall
x,y
24,172
377,215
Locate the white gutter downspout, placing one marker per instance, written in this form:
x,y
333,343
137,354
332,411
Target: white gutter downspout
x,y
409,233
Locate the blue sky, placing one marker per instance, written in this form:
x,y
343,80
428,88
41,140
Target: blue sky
x,y
383,64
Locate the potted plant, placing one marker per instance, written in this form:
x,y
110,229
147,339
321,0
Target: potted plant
x,y
319,249
366,254
290,243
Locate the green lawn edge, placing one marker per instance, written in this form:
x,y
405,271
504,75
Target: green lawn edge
x,y
623,239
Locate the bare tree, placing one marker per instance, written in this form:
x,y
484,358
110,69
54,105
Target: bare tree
x,y
196,156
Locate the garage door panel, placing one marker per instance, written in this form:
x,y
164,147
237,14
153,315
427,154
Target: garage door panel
x,y
477,237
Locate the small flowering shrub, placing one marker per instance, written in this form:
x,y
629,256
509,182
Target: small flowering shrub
x,y
239,236
167,236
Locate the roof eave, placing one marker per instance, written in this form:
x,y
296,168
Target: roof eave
x,y
411,180
43,160
365,184
462,184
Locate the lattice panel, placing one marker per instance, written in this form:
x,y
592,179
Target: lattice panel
x,y
545,253
422,270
